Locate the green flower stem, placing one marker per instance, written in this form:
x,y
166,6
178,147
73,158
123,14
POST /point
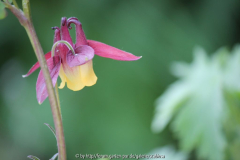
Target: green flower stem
x,y
25,20
58,100
51,94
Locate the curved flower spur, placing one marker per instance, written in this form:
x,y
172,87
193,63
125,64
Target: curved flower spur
x,y
73,62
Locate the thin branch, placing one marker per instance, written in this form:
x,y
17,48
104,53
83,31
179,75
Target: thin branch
x,y
25,20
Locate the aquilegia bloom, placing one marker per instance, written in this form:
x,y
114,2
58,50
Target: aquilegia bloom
x,y
74,69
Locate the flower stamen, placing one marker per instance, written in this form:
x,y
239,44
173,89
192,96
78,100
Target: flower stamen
x,y
54,28
64,42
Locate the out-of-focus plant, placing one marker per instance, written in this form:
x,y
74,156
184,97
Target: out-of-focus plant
x,y
202,107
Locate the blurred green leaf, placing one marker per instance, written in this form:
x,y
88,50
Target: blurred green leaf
x,y
199,123
3,12
33,157
180,91
168,104
232,125
232,130
200,103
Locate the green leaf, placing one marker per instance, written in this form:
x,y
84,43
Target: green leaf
x,y
52,129
168,104
179,92
3,12
33,157
197,105
54,157
198,125
232,126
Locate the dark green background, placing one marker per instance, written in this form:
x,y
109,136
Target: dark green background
x,y
113,116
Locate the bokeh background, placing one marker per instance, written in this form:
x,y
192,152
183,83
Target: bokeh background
x,y
115,115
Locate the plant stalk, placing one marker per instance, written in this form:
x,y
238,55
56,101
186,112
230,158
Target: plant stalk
x,y
25,20
51,93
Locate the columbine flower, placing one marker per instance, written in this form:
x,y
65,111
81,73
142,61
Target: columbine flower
x,y
73,62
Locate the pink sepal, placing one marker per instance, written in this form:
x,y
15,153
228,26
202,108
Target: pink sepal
x,y
80,35
36,65
65,35
53,64
83,54
107,51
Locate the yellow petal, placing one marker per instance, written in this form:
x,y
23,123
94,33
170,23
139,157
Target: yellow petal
x,y
77,77
74,80
87,74
63,78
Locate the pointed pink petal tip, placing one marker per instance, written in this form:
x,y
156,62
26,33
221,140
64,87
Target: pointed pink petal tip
x,y
24,76
36,65
139,57
107,51
80,35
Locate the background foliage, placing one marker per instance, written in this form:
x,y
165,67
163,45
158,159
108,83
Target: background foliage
x,y
115,115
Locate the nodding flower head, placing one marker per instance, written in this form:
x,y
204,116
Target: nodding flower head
x,y
73,62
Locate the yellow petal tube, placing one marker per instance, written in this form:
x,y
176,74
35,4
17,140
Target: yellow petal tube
x,y
77,77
